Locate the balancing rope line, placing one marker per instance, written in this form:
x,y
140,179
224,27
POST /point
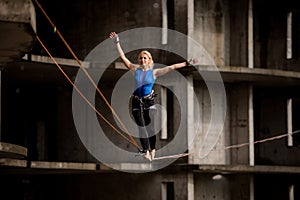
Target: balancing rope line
x,y
87,74
262,141
80,93
237,146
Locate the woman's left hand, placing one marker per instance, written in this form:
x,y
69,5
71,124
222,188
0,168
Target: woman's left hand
x,y
192,61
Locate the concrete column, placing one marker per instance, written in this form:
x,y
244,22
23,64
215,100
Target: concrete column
x,y
190,112
289,122
251,185
160,121
250,36
289,38
190,186
251,127
190,101
291,192
190,23
164,22
251,65
0,103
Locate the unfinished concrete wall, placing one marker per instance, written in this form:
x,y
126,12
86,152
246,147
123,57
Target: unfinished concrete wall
x,y
84,24
271,119
239,122
17,29
238,36
270,30
217,154
68,144
211,28
207,187
240,186
180,16
222,186
38,111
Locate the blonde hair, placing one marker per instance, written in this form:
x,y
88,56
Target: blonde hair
x,y
151,62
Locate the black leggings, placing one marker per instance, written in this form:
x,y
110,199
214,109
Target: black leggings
x,y
141,114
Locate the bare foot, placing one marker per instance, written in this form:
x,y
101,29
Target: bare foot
x,y
153,154
147,156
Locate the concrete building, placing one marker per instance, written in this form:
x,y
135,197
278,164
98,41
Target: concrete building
x,y
236,112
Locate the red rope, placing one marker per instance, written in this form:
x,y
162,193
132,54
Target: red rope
x,y
80,93
261,141
87,74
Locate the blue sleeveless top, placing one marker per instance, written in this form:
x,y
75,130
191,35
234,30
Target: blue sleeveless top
x,y
144,81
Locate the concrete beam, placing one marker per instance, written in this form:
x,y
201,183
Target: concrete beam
x,y
17,29
12,162
18,11
12,151
256,76
266,169
228,73
63,165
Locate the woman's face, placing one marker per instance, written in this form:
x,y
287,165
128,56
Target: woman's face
x,y
144,59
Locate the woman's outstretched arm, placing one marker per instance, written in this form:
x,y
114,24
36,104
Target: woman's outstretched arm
x,y
164,70
127,63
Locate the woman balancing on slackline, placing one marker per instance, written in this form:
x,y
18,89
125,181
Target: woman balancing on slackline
x,y
143,96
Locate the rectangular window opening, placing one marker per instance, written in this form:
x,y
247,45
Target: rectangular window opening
x,y
170,113
167,191
167,7
293,125
167,113
289,41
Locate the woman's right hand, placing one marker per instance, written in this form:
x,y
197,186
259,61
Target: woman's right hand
x,y
113,34
115,37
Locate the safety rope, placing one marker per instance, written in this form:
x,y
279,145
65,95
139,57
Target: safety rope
x,y
81,94
87,74
261,141
237,146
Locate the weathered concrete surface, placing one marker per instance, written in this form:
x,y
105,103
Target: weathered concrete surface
x,y
8,162
12,151
17,27
248,169
63,165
